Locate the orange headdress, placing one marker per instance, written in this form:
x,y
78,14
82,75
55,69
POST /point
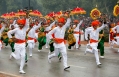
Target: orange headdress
x,y
61,20
21,21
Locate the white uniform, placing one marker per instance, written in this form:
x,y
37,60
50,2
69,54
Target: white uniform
x,y
59,33
77,35
1,30
94,35
19,47
47,29
117,34
31,34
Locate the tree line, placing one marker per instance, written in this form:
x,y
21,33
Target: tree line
x,y
46,6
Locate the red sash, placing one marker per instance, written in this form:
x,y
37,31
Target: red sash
x,y
93,41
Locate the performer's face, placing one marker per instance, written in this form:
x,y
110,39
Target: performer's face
x,y
95,27
0,26
12,27
60,24
36,23
31,26
21,25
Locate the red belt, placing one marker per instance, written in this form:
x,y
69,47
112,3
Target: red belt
x,y
59,40
117,34
93,41
30,38
76,32
20,41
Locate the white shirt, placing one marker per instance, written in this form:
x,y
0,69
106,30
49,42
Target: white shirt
x,y
77,27
19,33
2,29
94,34
115,29
32,32
59,33
49,27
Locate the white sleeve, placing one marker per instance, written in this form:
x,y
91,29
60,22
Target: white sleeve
x,y
49,35
26,24
67,24
39,25
9,33
87,31
79,24
102,27
14,22
114,28
3,27
52,24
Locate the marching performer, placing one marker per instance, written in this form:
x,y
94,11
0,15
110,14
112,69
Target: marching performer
x,y
116,31
2,27
58,39
76,31
41,37
4,36
111,34
71,39
20,34
11,42
51,43
47,29
31,37
94,36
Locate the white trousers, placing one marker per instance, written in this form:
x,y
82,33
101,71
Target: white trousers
x,y
31,44
47,41
117,38
92,48
77,40
63,51
19,53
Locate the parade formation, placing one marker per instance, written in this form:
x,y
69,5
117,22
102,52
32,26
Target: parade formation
x,y
59,32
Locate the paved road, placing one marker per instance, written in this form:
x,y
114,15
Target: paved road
x,y
81,65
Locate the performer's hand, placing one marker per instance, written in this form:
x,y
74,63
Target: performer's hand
x,y
14,39
54,40
87,41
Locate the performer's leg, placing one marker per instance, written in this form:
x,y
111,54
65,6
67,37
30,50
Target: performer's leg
x,y
64,55
26,44
69,47
16,53
30,48
56,52
101,48
77,40
44,41
40,44
47,43
6,41
118,43
0,45
12,46
23,52
51,47
88,49
26,58
95,50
